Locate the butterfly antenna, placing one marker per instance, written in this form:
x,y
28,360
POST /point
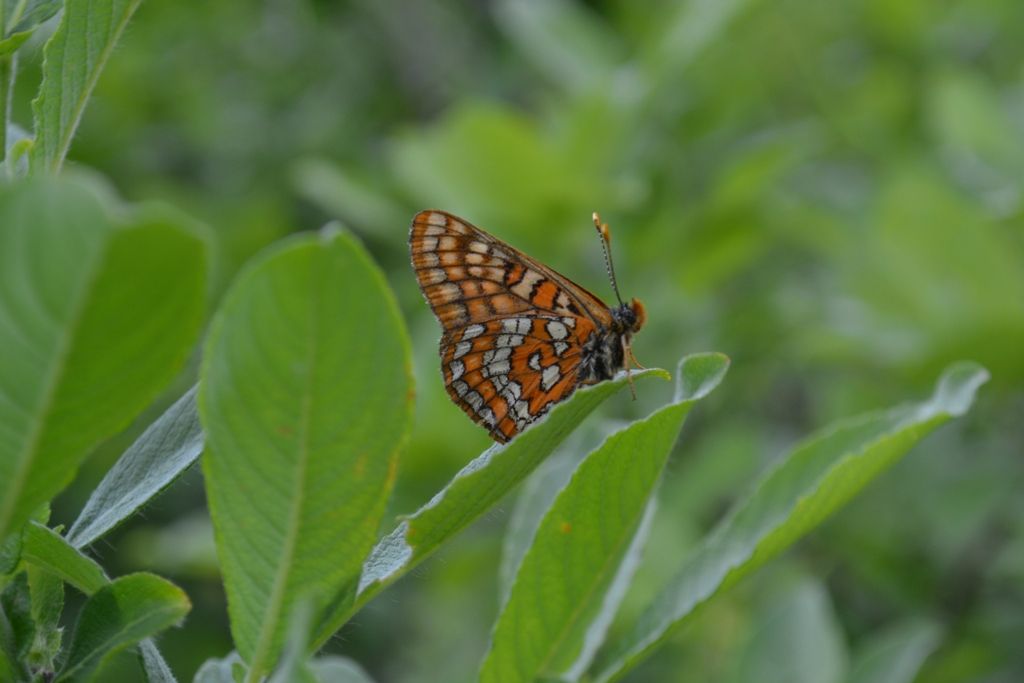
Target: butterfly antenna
x,y
606,244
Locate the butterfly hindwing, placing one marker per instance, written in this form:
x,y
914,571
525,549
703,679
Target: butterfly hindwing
x,y
506,373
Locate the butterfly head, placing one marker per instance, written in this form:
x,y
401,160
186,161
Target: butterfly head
x,y
630,317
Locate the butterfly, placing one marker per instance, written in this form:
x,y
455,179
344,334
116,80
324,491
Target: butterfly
x,y
518,336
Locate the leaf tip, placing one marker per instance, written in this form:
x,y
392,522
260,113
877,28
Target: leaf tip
x,y
956,387
699,374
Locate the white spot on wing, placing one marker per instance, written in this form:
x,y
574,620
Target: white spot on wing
x,y
473,331
523,288
508,340
534,361
496,354
557,330
460,387
478,247
516,325
560,347
457,367
474,399
428,243
461,349
550,377
498,368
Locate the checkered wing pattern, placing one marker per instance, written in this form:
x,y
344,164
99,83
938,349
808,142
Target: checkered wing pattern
x,y
513,328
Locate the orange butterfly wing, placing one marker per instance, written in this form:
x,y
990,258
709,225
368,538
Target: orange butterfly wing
x,y
513,328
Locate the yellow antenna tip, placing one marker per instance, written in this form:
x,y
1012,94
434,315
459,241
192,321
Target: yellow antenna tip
x,y
602,228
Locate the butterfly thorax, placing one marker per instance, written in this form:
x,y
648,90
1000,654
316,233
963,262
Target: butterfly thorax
x,y
605,351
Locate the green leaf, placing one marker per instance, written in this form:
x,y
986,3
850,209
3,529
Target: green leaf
x,y
165,450
475,489
815,480
73,58
10,43
230,669
48,550
796,638
120,614
578,568
83,352
896,654
532,503
34,13
306,397
154,668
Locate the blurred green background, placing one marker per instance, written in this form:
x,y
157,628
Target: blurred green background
x,y
830,193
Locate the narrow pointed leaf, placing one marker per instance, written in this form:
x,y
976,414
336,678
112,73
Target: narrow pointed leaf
x,y
73,59
474,490
571,579
82,352
305,397
120,614
48,550
164,451
815,480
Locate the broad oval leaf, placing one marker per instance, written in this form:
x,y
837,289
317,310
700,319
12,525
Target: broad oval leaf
x,y
817,478
474,490
83,351
305,397
73,58
165,450
121,613
577,569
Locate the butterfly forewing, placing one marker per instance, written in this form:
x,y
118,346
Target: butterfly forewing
x,y
513,328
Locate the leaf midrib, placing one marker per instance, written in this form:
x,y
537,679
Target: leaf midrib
x,y
277,594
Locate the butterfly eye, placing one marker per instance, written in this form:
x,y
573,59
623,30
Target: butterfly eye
x,y
640,312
